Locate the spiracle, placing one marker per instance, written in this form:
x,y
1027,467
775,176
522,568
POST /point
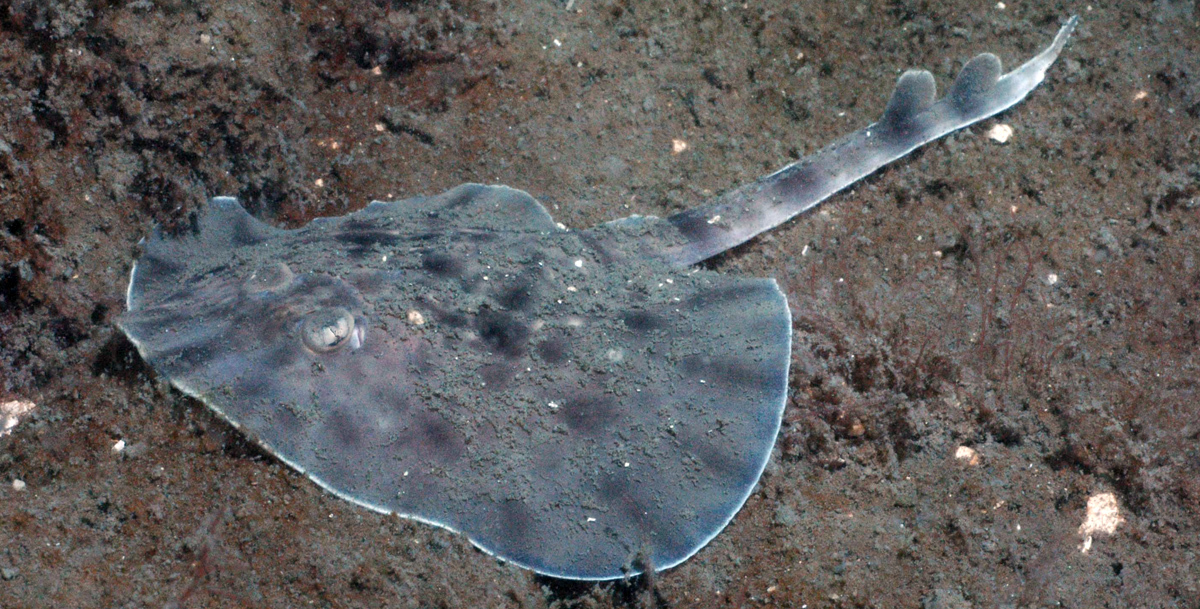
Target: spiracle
x,y
269,277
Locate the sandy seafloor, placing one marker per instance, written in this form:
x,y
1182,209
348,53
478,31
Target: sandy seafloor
x,y
1037,302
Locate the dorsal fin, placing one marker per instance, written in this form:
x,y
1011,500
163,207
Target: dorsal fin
x,y
915,92
971,86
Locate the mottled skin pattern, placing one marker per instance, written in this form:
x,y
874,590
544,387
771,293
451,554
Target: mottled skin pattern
x,y
581,403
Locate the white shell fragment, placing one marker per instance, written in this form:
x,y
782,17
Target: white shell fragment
x,y
1102,519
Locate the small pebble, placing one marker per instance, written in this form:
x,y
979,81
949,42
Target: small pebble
x,y
1001,133
967,455
18,485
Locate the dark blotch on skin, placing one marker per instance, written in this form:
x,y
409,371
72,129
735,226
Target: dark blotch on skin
x,y
196,355
449,317
717,450
224,269
693,225
361,244
439,439
590,415
281,357
502,333
497,376
630,498
722,297
376,282
618,491
441,265
555,350
365,235
516,524
519,295
730,469
344,428
158,267
176,319
454,319
397,403
641,321
287,421
255,385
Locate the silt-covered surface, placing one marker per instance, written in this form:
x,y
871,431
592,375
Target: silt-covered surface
x,y
1034,302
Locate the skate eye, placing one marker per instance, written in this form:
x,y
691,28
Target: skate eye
x,y
328,329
